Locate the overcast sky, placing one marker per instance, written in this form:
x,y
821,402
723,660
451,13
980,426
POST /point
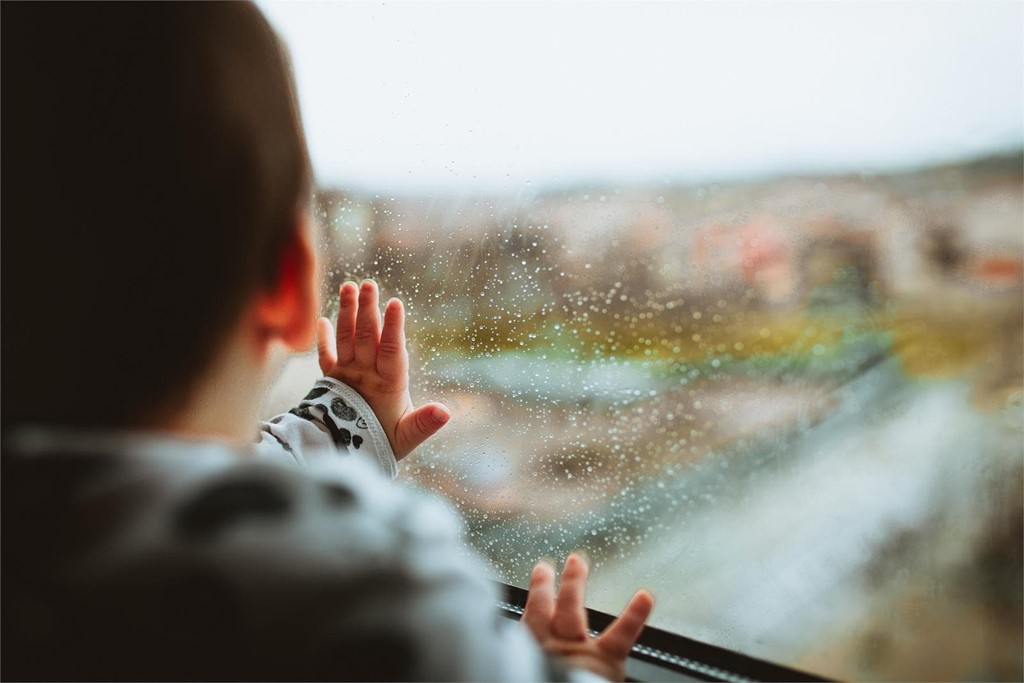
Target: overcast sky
x,y
495,96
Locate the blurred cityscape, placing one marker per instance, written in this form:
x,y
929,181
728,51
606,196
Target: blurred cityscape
x,y
793,408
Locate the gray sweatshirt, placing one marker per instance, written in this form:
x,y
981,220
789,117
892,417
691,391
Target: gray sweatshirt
x,y
141,556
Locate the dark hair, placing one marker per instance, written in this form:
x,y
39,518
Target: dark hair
x,y
153,167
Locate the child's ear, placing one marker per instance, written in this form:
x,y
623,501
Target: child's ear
x,y
287,311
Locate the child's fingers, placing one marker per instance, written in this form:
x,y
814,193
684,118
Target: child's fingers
x,y
418,426
570,620
345,336
618,639
367,330
540,601
326,345
392,357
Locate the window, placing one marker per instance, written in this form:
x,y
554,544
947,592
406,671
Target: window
x,y
727,295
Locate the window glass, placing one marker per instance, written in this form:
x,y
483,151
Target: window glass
x,y
727,295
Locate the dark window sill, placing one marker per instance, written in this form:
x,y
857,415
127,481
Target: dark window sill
x,y
664,656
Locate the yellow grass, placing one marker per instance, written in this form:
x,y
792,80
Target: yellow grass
x,y
929,343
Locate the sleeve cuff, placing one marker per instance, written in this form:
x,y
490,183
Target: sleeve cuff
x,y
381,445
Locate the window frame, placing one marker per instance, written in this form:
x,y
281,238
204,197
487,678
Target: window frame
x,y
671,652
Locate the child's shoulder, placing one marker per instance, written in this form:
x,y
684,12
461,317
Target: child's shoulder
x,y
169,542
183,492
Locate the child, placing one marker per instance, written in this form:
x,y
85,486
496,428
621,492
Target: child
x,y
157,261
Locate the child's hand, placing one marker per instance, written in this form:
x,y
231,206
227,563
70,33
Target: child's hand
x,y
560,624
373,360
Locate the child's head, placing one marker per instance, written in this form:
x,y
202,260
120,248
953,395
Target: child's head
x,y
154,169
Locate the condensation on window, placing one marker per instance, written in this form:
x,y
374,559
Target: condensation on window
x,y
791,407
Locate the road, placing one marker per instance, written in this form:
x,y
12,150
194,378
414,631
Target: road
x,y
779,555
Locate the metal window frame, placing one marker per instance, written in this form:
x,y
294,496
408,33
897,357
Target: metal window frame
x,y
675,653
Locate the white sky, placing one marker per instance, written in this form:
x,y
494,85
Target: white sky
x,y
493,96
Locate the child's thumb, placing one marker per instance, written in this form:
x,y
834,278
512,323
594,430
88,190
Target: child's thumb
x,y
325,345
418,426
